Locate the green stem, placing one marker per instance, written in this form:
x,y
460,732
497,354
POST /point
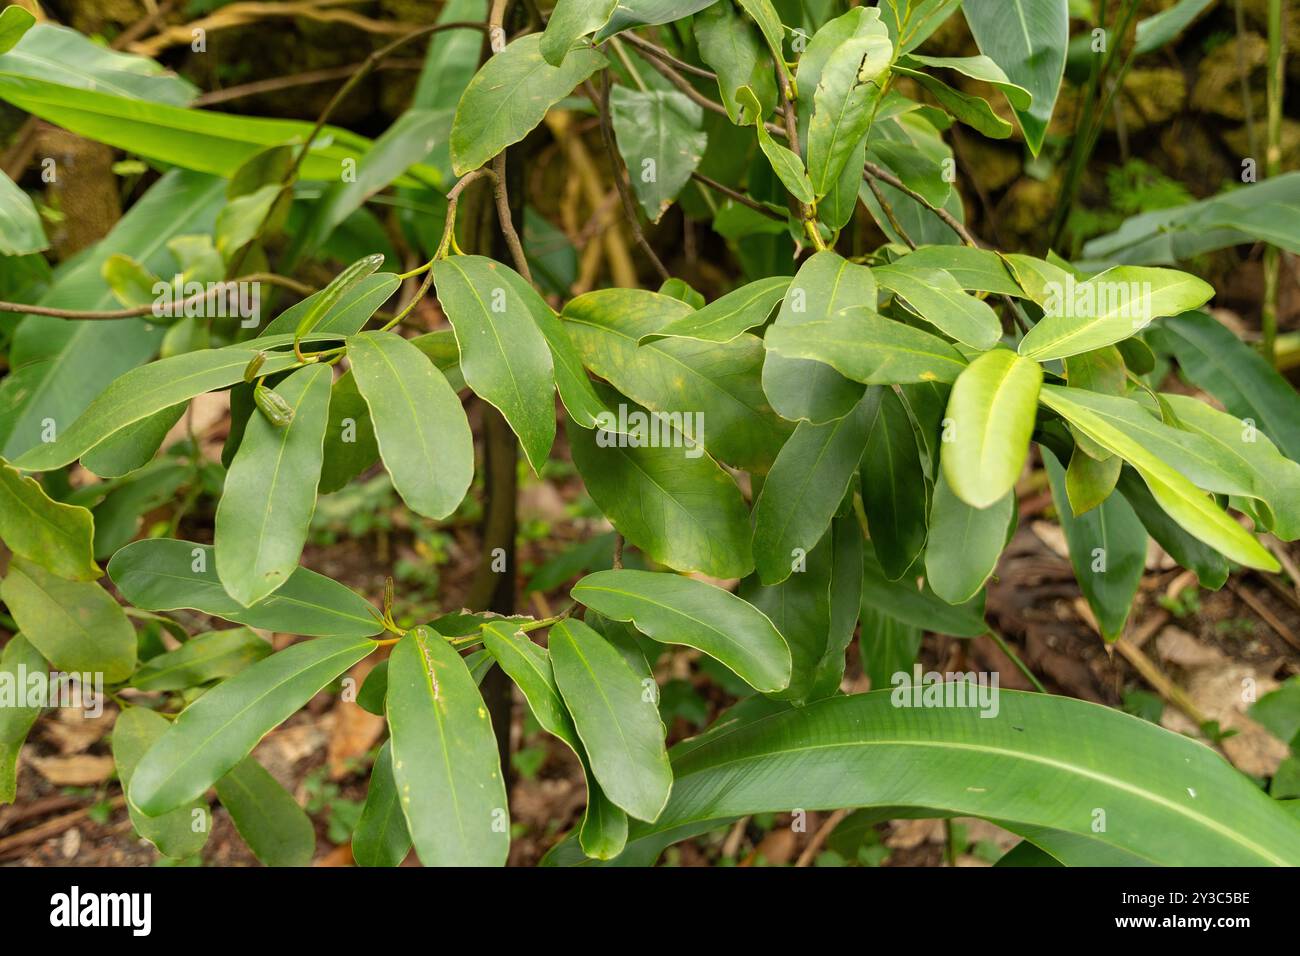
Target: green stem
x,y
1273,166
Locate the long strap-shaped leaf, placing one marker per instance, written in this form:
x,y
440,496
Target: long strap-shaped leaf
x,y
1166,799
220,728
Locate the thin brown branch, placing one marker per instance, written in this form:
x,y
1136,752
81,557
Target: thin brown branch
x,y
889,212
873,171
309,78
737,196
654,50
134,312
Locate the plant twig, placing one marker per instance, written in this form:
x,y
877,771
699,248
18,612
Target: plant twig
x,y
91,315
737,196
872,171
889,212
819,838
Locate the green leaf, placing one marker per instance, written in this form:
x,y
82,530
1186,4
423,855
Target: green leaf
x,y
63,56
204,657
180,833
844,103
673,609
660,134
144,391
731,46
856,752
57,366
633,13
1196,513
720,384
939,299
972,110
604,825
76,625
769,24
503,354
858,21
1108,308
910,22
14,22
452,56
727,318
205,141
991,414
867,348
350,446
419,423
134,446
1210,566
18,661
965,542
380,837
977,68
57,536
266,815
570,21
886,646
1027,39
445,761
846,600
784,162
21,232
1089,482
805,487
615,718
270,493
218,730
1157,30
894,490
1211,357
918,605
333,293
346,316
1108,550
510,95
163,574
1271,478
980,270
801,390
683,511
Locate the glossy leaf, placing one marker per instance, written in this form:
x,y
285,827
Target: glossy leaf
x,y
616,720
163,574
18,660
843,105
57,536
855,751
204,657
270,494
660,134
1196,513
991,414
76,625
508,97
503,353
570,21
683,511
380,837
180,833
266,815
894,492
219,729
867,348
21,232
1109,307
965,543
805,487
420,427
445,760
673,609
1108,550
979,270
134,446
803,390
733,48
727,318
718,385
938,298
1027,39
604,825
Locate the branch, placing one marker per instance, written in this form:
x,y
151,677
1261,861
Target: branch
x,y
872,171
138,311
737,196
683,84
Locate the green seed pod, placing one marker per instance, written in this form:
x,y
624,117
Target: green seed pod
x,y
254,366
332,293
271,404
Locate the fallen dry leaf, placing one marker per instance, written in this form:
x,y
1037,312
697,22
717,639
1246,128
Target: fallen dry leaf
x,y
79,770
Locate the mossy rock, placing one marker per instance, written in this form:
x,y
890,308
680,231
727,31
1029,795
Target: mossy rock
x,y
1150,97
1218,78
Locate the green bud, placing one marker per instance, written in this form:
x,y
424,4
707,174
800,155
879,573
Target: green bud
x,y
254,366
271,404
